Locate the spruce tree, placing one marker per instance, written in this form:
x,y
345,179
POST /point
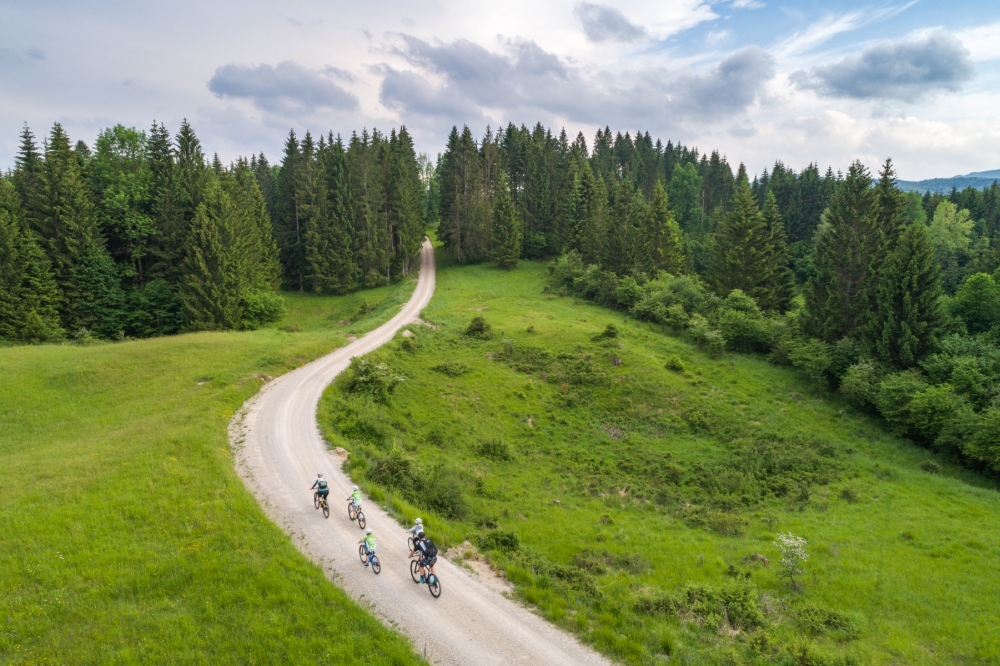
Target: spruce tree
x,y
782,287
192,172
742,252
91,295
310,210
664,235
329,247
908,318
506,227
166,246
847,246
29,298
626,252
230,269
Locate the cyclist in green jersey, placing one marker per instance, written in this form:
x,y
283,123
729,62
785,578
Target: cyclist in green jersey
x,y
355,498
369,542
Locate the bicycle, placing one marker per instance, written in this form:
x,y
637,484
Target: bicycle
x,y
321,503
433,584
354,512
370,558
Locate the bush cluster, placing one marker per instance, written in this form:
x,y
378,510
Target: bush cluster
x,y
949,401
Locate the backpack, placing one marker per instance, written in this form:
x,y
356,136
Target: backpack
x,y
322,484
430,550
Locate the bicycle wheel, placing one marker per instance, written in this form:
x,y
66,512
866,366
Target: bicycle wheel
x,y
415,571
361,519
434,585
409,543
326,509
316,500
350,510
376,565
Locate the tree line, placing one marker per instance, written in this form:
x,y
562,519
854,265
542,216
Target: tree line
x,y
142,235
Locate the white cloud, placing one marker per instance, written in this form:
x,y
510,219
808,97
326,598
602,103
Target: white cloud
x,y
983,42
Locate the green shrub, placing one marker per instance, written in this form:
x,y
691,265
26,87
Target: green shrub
x,y
370,376
495,449
610,331
676,364
812,357
441,491
451,368
817,621
931,409
628,293
479,328
395,470
930,466
849,495
895,393
860,383
744,332
499,540
958,432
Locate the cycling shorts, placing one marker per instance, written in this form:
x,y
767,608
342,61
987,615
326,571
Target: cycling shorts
x,y
428,562
323,493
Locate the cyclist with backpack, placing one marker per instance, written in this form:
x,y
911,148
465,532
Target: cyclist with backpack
x,y
321,486
428,553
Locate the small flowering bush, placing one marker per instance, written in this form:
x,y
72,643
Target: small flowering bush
x,y
793,554
372,377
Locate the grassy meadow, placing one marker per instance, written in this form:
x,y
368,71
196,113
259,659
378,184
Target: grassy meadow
x,y
632,488
126,536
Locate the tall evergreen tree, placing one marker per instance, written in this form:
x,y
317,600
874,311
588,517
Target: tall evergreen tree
x,y
166,246
506,227
329,244
29,298
664,235
91,295
782,287
908,318
743,255
230,268
192,172
626,252
846,248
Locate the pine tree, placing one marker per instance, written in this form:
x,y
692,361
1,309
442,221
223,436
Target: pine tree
x,y
892,206
664,235
782,286
27,176
506,227
846,249
91,295
742,253
191,172
166,246
329,247
908,317
230,269
29,298
311,210
626,252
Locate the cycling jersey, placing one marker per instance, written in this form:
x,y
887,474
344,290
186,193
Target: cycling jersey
x,y
356,497
370,542
416,530
320,484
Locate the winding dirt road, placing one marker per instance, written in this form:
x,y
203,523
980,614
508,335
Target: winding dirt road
x,y
279,450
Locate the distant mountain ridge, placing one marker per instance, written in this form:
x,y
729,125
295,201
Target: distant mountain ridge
x,y
976,179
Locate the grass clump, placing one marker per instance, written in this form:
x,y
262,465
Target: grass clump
x,y
495,449
675,364
451,368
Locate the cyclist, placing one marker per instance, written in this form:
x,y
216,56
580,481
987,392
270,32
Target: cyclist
x,y
321,486
428,553
369,542
417,530
355,498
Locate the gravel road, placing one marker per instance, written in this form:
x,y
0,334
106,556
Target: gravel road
x,y
279,450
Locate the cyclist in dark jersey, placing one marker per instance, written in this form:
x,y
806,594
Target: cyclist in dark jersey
x,y
321,486
428,553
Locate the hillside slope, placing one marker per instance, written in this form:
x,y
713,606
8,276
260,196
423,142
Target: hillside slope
x,y
638,505
127,536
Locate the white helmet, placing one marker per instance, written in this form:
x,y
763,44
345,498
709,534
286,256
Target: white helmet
x,y
320,475
355,487
418,522
368,531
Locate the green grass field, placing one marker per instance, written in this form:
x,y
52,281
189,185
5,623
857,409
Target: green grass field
x,y
126,535
625,500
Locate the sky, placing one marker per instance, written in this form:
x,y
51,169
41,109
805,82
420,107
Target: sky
x,y
759,80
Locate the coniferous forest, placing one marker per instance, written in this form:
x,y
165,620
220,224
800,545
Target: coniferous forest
x,y
888,297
